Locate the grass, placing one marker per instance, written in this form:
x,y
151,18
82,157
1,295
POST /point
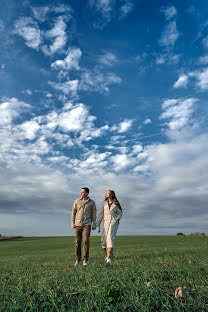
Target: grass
x,y
38,274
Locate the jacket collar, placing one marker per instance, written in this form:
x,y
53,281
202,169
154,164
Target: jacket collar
x,y
85,201
111,206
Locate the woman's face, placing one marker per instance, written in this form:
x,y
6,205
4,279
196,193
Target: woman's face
x,y
108,195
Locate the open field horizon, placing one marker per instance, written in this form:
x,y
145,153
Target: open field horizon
x,y
38,274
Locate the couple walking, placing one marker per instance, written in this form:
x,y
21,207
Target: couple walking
x,y
84,214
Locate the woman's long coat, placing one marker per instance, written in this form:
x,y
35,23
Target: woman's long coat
x,y
111,215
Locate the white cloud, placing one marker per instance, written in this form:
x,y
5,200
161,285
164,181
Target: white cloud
x,y
202,79
205,42
161,59
27,91
41,13
125,8
167,180
68,87
58,35
96,81
169,35
120,161
178,113
136,149
28,29
31,140
147,121
93,161
104,12
181,82
167,58
203,60
169,12
70,62
108,59
168,103
125,125
29,129
74,119
10,109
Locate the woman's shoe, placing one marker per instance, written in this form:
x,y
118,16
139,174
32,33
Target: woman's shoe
x,y
109,260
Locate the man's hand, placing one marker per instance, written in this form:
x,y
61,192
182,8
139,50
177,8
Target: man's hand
x,y
94,227
73,226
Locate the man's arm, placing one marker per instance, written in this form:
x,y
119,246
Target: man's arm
x,y
74,211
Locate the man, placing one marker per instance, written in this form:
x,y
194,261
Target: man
x,y
83,215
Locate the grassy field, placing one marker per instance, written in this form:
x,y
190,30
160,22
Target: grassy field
x,y
38,274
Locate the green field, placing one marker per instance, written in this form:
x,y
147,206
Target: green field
x,y
38,274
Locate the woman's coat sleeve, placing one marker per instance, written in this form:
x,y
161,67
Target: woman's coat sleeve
x,y
100,217
118,214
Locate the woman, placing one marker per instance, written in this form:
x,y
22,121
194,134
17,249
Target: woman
x,y
111,214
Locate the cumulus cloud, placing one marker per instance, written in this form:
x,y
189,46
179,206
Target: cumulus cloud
x,y
57,34
203,60
125,125
28,140
28,29
98,81
167,58
205,42
104,12
169,12
169,35
11,109
29,129
93,161
202,78
71,61
147,121
36,188
107,59
120,161
177,113
166,180
125,8
181,82
136,149
41,13
73,119
68,87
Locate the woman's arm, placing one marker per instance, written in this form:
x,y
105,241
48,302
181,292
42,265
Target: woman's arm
x,y
118,214
100,217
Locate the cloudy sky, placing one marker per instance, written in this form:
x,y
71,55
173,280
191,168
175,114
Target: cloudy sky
x,y
108,94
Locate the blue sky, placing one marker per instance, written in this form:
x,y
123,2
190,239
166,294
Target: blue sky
x,y
108,95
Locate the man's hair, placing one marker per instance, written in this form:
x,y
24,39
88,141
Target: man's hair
x,y
86,189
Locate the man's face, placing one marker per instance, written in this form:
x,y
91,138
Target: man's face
x,y
84,194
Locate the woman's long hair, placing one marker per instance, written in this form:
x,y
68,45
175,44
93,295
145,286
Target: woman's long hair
x,y
115,200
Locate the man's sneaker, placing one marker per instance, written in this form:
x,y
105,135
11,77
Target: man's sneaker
x,y
84,262
109,260
77,262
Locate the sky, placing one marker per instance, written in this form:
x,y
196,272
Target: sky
x,y
106,95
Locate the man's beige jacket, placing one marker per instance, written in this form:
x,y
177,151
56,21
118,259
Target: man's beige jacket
x,y
83,212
